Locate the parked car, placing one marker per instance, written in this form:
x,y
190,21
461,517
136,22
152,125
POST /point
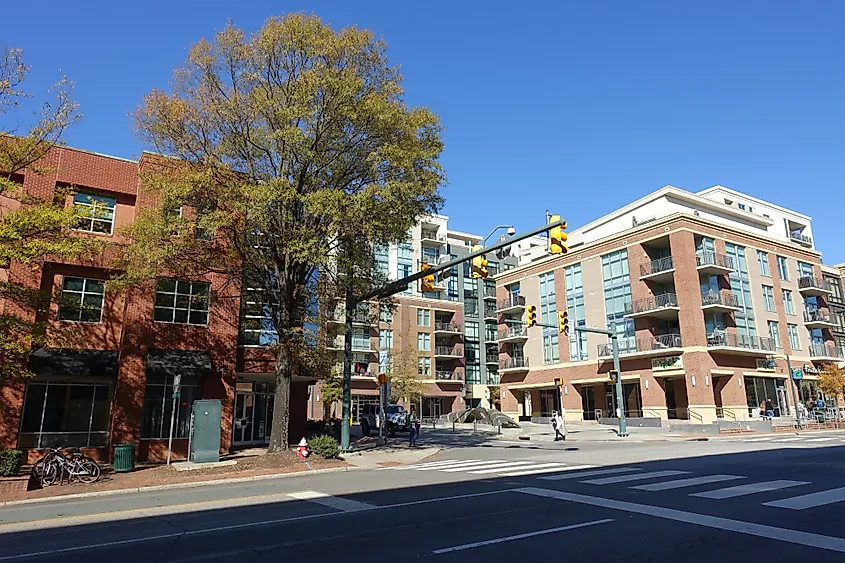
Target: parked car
x,y
396,419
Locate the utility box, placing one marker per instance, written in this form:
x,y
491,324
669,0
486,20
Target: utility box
x,y
205,431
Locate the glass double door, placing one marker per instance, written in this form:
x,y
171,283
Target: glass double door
x,y
253,418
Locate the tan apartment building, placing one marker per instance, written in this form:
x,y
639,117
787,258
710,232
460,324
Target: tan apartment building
x,y
708,294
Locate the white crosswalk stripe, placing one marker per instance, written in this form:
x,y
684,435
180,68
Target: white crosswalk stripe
x,y
748,489
689,482
538,469
797,439
635,477
811,500
431,464
481,465
492,467
821,439
596,473
497,468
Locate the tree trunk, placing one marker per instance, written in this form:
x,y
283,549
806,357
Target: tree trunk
x,y
280,430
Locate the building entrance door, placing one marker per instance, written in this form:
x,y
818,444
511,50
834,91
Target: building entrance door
x,y
253,418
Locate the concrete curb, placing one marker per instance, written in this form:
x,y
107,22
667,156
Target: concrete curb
x,y
153,488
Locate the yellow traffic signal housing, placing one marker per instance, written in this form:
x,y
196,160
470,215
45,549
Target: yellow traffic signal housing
x,y
427,282
563,322
558,237
531,315
479,264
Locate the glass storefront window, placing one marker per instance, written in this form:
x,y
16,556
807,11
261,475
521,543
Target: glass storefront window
x,y
65,414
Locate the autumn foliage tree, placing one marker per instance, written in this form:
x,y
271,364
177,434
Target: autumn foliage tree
x,y
832,381
283,145
32,229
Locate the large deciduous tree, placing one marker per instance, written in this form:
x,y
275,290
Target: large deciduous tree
x,y
32,229
291,149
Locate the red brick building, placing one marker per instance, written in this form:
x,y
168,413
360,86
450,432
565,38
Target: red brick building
x,y
115,386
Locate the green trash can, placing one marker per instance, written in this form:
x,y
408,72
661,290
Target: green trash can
x,y
124,458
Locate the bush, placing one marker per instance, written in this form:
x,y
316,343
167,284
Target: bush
x,y
10,462
325,446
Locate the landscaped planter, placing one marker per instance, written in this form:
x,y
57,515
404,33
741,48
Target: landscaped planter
x,y
11,485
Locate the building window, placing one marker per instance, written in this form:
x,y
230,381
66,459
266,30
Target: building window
x,y
473,374
471,308
423,317
385,339
763,263
257,328
181,302
471,330
158,404
794,342
472,352
82,300
835,285
361,339
65,414
805,270
548,315
470,288
774,333
385,315
424,366
769,298
513,291
381,252
741,287
424,342
404,262
575,307
95,213
617,298
788,305
783,271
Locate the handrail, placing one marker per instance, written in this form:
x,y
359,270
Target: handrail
x,y
816,315
656,266
448,327
512,301
811,282
659,342
726,298
733,340
448,351
511,363
710,258
693,414
652,303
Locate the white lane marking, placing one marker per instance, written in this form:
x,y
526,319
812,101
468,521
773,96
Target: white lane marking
x,y
752,440
504,467
691,482
749,489
821,439
810,501
537,469
481,465
339,503
830,543
432,464
519,536
456,464
591,473
636,477
789,440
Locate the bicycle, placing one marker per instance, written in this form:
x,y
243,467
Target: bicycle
x,y
55,465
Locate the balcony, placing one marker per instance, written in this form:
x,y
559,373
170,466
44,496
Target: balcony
x,y
431,238
513,334
489,293
447,328
803,240
663,306
448,352
512,365
490,313
511,305
829,352
358,318
740,344
714,264
818,319
809,286
661,270
661,345
448,376
363,346
719,302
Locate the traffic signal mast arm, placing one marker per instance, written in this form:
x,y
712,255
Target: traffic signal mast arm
x,y
400,285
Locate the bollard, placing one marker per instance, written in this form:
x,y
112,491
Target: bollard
x,y
499,428
453,426
434,424
474,426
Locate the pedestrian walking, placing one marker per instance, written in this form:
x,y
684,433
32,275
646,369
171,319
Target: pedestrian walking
x,y
558,426
770,410
414,428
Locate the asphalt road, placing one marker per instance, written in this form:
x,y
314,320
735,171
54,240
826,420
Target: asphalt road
x,y
720,501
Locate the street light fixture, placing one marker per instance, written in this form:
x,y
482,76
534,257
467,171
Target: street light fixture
x,y
511,232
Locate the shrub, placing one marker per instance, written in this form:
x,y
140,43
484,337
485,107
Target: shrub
x,y
325,446
10,462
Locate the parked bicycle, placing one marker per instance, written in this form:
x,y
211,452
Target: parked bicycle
x,y
55,466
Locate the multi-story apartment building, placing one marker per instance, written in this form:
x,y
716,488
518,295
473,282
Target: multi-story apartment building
x,y
451,334
708,293
115,385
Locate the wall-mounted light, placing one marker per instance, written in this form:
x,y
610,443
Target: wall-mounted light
x,y
646,383
566,389
706,380
693,380
739,381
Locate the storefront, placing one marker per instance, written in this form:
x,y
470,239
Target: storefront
x,y
760,389
253,416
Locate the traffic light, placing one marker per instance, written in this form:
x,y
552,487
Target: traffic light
x,y
531,315
563,322
427,281
613,374
479,264
558,237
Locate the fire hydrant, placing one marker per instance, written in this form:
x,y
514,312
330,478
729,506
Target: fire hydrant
x,y
303,450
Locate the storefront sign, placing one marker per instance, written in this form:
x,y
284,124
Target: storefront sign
x,y
670,362
797,374
812,370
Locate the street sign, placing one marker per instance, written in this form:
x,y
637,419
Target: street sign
x,y
797,374
177,385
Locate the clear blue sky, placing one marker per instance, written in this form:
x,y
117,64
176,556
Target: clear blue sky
x,y
578,107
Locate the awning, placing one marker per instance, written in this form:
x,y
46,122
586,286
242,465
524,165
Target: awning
x,y
191,364
74,363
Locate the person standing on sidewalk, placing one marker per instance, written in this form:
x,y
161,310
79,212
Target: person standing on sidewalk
x,y
413,427
559,428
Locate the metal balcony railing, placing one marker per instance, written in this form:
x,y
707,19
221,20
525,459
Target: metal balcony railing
x,y
357,317
489,292
447,375
652,303
817,316
428,234
730,340
708,258
725,298
632,346
656,266
448,351
447,327
818,350
798,237
509,302
513,363
514,331
810,282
